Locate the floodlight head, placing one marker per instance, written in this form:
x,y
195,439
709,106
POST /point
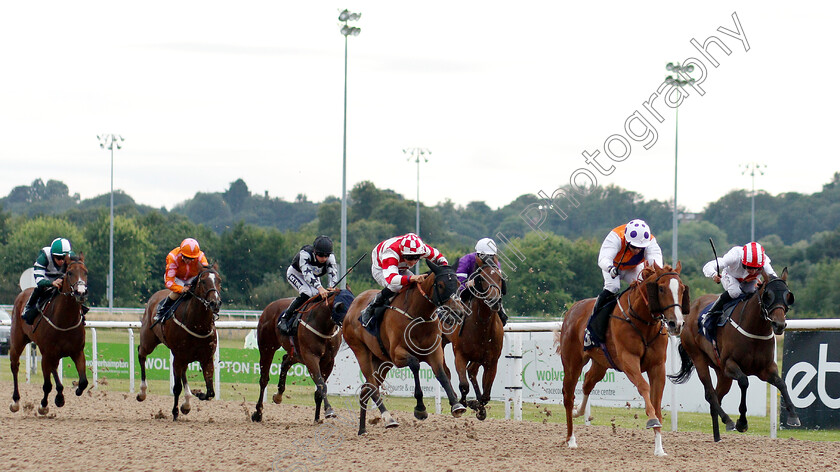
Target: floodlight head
x,y
346,15
350,30
669,66
689,68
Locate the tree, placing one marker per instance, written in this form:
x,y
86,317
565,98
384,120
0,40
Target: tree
x,y
237,195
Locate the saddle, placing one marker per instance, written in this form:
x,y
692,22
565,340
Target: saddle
x,y
375,323
709,322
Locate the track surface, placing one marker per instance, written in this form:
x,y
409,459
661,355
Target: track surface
x,y
112,431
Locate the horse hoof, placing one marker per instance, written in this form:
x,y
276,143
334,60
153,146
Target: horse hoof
x,y
14,407
572,442
43,410
742,426
141,397
730,426
59,401
794,421
277,398
256,417
391,423
421,414
185,409
481,414
473,404
362,432
329,413
458,410
653,423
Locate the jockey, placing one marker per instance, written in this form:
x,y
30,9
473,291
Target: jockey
x,y
622,257
392,260
485,249
305,273
739,271
183,264
49,267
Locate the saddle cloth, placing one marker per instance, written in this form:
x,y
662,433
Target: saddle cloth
x,y
709,322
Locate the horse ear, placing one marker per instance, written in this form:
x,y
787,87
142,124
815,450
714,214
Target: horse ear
x,y
434,267
685,303
678,268
215,266
82,258
653,297
784,274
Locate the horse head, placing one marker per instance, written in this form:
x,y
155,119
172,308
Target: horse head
x,y
75,278
444,288
488,283
207,288
776,300
668,298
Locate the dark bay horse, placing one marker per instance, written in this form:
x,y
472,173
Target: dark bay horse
x,y
477,340
316,344
409,334
745,346
59,332
190,334
636,341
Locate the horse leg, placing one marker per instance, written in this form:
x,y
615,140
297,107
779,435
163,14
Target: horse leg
x,y
208,369
180,370
776,381
59,389
281,382
590,379
81,369
313,364
185,407
327,364
419,409
472,374
14,363
634,373
724,383
487,379
572,366
266,356
48,366
143,350
656,376
463,383
379,375
702,367
734,371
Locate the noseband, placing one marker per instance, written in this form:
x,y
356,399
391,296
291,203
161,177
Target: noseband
x,y
204,301
661,311
74,287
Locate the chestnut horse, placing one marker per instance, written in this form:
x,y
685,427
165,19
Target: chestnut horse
x,y
315,345
409,333
61,334
477,340
745,346
636,341
190,334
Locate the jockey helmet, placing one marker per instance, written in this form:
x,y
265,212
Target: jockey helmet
x,y
753,256
486,246
637,233
323,245
190,248
412,245
60,247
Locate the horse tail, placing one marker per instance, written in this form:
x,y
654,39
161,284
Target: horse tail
x,y
558,340
686,368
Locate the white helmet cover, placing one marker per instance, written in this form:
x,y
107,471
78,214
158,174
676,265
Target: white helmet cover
x,y
486,246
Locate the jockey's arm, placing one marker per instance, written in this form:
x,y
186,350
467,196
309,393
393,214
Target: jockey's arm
x,y
609,250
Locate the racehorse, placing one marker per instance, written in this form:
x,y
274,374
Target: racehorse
x,y
636,342
191,335
409,333
477,340
315,345
62,334
745,346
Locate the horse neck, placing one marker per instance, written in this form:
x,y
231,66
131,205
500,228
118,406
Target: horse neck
x,y
639,304
748,314
65,306
481,319
196,314
320,317
416,304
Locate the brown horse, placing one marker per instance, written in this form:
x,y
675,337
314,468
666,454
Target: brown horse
x,y
190,334
409,333
61,334
636,341
745,346
315,345
477,340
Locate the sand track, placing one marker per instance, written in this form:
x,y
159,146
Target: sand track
x,y
112,431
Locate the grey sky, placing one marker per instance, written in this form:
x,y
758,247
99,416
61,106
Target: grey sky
x,y
506,96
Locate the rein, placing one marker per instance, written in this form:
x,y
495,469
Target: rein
x,y
206,303
310,305
70,293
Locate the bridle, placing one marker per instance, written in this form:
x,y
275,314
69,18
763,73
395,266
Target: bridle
x,y
74,287
772,304
209,305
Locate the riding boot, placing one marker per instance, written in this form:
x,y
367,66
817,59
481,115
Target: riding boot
x,y
285,322
502,315
163,309
32,311
717,309
381,299
600,319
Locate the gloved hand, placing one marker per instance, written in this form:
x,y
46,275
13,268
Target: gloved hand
x,y
613,271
